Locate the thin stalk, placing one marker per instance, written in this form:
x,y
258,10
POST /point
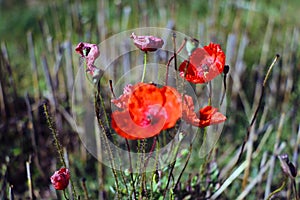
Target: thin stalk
x,y
210,93
145,66
206,161
151,152
278,189
174,52
295,189
184,167
72,189
258,107
143,178
54,134
86,194
65,195
124,181
130,170
57,144
174,57
273,158
172,168
98,104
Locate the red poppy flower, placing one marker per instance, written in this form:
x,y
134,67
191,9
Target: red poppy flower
x,y
90,52
146,110
208,115
147,43
60,179
204,65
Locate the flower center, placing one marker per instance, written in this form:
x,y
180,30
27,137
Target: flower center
x,y
153,115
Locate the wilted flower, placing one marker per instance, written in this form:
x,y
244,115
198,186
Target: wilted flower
x,y
60,179
90,52
147,43
204,64
146,110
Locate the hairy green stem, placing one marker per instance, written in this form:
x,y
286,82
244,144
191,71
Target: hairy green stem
x,y
98,105
57,144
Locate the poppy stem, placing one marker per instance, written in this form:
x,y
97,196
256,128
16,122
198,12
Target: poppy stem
x,y
295,189
130,170
174,53
145,65
174,57
151,152
278,189
172,168
258,107
57,144
65,195
99,108
210,93
86,193
185,165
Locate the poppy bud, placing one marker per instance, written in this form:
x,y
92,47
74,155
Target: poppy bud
x,y
226,69
60,179
287,166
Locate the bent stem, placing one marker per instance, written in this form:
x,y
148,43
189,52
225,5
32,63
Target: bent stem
x,y
278,189
145,65
258,107
174,55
